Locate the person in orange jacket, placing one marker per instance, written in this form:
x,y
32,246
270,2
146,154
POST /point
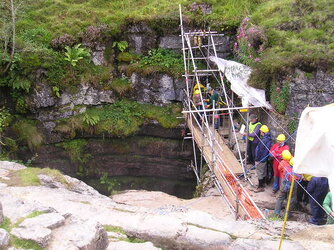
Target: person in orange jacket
x,y
276,152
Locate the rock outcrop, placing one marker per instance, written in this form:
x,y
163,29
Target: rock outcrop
x,y
4,238
76,219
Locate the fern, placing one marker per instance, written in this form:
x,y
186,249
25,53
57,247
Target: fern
x,y
121,46
91,120
75,54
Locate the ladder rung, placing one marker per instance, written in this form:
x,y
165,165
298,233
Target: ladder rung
x,y
203,46
201,32
197,75
197,58
205,70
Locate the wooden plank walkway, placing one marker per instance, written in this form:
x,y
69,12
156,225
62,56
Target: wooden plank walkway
x,y
225,167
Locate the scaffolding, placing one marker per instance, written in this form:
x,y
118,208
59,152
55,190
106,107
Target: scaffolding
x,y
212,144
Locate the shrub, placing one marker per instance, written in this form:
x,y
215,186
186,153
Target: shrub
x,y
5,119
279,97
28,132
60,42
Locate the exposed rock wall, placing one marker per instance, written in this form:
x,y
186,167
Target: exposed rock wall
x,y
310,90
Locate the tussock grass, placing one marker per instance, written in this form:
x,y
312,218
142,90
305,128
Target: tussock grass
x,y
29,177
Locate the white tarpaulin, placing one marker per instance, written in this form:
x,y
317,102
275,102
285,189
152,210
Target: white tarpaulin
x,y
238,75
314,152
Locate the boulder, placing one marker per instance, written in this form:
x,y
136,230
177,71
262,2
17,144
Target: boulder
x,y
11,166
50,220
130,246
85,235
4,238
39,234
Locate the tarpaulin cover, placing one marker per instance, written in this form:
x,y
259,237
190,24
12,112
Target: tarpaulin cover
x,y
314,152
238,75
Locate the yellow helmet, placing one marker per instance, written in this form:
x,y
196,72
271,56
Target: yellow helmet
x,y
292,161
198,85
281,138
197,92
264,129
286,155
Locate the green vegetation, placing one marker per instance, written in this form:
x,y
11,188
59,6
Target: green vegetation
x,y
5,119
121,45
32,215
6,224
110,184
121,119
120,230
279,97
76,151
121,85
159,60
29,177
28,133
75,54
59,17
114,229
299,35
24,244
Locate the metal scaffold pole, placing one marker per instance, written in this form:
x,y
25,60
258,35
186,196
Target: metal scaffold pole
x,y
202,119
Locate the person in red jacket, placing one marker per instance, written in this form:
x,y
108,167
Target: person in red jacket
x,y
276,152
286,169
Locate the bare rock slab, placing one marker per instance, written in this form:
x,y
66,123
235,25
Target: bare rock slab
x,y
252,244
50,220
123,245
213,239
39,234
4,238
84,235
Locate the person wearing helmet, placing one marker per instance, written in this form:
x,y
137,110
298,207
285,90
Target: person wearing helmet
x,y
318,189
261,157
276,152
253,137
286,168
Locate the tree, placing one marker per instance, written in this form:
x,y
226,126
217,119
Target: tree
x,y
9,10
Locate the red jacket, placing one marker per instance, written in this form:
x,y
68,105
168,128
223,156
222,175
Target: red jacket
x,y
286,171
276,151
284,168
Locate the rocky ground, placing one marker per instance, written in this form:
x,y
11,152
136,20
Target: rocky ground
x,y
60,212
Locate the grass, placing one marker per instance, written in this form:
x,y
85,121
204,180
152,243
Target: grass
x,y
115,229
299,36
123,118
64,16
120,230
158,60
24,244
6,224
121,85
15,241
29,177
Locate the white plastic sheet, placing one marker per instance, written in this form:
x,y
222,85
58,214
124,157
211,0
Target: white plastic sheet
x,y
238,75
314,152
